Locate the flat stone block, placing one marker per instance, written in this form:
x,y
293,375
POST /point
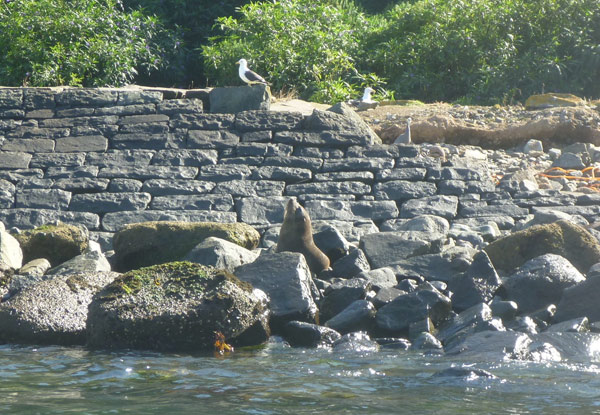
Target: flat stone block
x,y
109,202
261,210
234,99
193,202
160,187
33,218
185,157
212,139
14,160
202,121
90,143
403,190
43,199
120,158
11,97
114,221
149,172
74,97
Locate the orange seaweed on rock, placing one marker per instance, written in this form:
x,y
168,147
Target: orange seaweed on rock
x,y
220,345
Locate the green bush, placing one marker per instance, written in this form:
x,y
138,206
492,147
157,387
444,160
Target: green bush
x,y
77,42
488,51
192,21
304,45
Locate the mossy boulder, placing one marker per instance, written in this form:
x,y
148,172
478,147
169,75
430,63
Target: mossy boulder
x,y
150,243
550,100
57,243
177,307
562,237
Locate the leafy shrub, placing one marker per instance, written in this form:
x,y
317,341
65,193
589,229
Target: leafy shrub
x,y
193,22
306,45
488,50
76,42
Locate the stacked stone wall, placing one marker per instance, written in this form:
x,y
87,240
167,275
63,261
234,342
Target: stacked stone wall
x,y
107,157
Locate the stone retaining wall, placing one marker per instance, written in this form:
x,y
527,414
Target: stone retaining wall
x,y
107,157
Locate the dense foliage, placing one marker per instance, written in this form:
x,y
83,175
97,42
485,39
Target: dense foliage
x,y
76,42
304,45
192,21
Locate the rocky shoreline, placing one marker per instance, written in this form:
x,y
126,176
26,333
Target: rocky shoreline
x,y
174,215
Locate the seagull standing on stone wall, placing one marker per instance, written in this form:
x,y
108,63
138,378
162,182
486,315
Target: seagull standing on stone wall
x,y
404,138
248,76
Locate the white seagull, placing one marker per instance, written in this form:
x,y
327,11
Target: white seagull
x,y
404,138
366,98
248,76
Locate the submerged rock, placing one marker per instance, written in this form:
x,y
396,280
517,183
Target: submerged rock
x,y
149,243
359,342
177,306
53,311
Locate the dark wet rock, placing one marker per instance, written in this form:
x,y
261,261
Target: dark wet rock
x,y
422,326
90,261
358,342
359,315
176,306
149,243
350,265
478,284
379,278
426,342
386,248
523,324
220,253
340,295
303,334
53,311
386,295
562,238
506,310
472,320
57,243
331,242
580,300
468,373
397,343
576,325
440,267
396,316
11,255
540,282
272,271
487,345
408,285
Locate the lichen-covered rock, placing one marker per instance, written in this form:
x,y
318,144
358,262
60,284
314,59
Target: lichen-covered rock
x,y
177,306
57,243
53,311
563,238
150,243
551,100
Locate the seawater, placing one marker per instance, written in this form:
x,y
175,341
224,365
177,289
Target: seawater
x,y
281,380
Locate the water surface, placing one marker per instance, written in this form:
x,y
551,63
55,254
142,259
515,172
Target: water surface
x,y
283,380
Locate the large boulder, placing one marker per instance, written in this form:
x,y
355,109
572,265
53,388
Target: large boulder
x,y
540,282
92,260
57,243
150,243
11,255
478,284
53,311
580,300
563,238
286,279
220,253
176,306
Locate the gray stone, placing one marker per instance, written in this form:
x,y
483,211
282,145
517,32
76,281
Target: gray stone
x,y
311,163
45,160
267,120
569,161
139,140
32,218
576,325
359,315
29,145
161,187
403,190
149,172
220,254
74,97
506,310
90,261
350,265
134,96
347,123
53,311
435,267
74,172
180,106
356,188
358,342
185,157
477,285
82,184
286,174
35,267
11,255
14,160
271,271
261,210
330,240
357,164
114,221
109,202
580,300
340,295
250,188
302,334
426,342
192,202
474,319
379,278
386,295
421,223
219,173
413,174
124,185
86,143
11,98
386,248
203,121
38,98
540,281
396,316
43,199
234,99
443,206
120,158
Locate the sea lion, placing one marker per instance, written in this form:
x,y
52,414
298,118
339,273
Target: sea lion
x,y
296,236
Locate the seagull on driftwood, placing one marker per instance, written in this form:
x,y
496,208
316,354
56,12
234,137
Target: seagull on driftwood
x,y
248,76
404,138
